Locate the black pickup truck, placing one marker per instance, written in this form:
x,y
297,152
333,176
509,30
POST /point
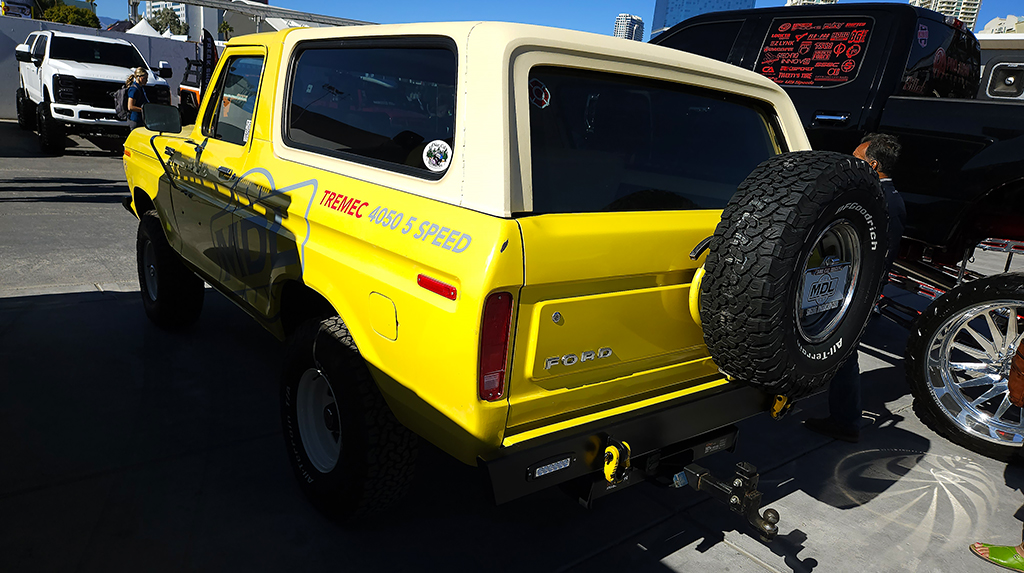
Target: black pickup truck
x,y
852,69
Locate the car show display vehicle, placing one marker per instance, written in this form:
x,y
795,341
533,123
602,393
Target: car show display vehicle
x,y
66,81
561,257
915,74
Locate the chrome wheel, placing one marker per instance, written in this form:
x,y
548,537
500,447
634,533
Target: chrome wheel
x,y
316,411
828,280
149,269
967,366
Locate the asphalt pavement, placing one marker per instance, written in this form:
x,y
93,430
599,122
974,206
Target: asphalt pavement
x,y
126,448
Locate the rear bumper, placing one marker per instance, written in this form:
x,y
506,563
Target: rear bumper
x,y
511,470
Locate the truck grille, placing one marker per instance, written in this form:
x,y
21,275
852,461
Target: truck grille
x,y
97,93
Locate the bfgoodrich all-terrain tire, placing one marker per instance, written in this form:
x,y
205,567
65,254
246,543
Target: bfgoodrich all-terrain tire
x,y
793,271
171,293
350,454
958,361
26,113
52,139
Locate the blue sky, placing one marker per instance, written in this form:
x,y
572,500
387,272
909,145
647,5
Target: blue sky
x,y
590,16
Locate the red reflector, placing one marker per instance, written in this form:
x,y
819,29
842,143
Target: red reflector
x,y
436,286
127,153
494,345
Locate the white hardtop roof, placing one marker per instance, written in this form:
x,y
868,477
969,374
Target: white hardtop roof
x,y
516,35
87,37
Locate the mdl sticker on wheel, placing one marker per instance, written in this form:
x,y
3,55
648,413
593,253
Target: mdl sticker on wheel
x,y
824,288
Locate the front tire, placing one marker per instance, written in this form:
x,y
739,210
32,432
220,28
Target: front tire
x,y
172,294
958,360
350,455
794,269
52,139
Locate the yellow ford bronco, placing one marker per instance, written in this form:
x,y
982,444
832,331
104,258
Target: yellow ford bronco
x,y
505,239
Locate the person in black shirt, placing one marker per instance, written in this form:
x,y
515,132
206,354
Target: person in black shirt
x,y
844,401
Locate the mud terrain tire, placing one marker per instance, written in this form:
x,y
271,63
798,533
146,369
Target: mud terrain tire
x,y
957,365
788,219
172,294
51,132
26,116
350,454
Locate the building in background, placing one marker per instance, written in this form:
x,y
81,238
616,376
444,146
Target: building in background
x,y
806,2
1007,25
668,13
629,27
177,7
964,10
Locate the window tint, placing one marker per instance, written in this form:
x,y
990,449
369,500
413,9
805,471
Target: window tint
x,y
712,40
815,51
602,142
231,116
943,62
89,52
39,49
391,106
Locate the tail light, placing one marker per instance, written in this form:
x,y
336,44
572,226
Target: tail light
x,y
65,88
494,345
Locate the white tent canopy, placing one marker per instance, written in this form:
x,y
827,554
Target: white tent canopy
x,y
143,29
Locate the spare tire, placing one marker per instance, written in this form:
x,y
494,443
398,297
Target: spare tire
x,y
794,269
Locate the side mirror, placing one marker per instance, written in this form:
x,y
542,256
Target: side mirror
x,y
161,118
164,71
22,53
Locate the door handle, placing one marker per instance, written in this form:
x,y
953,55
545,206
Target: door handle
x,y
225,173
197,146
831,117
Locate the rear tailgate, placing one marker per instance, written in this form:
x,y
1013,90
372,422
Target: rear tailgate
x,y
628,175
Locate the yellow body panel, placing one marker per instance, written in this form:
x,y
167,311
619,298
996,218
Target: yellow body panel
x,y
360,235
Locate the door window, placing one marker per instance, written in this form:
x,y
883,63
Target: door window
x,y
392,107
233,104
605,142
943,62
821,52
712,40
40,48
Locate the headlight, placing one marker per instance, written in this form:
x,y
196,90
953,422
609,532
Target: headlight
x,y
65,89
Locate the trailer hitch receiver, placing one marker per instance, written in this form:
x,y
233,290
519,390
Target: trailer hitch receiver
x,y
740,494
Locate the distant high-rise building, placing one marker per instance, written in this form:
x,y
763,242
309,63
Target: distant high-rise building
x,y
807,2
668,13
177,7
964,10
629,27
1007,25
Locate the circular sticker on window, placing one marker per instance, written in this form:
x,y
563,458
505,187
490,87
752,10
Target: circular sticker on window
x,y
539,94
436,155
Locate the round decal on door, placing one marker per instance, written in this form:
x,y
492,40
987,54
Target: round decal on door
x,y
436,155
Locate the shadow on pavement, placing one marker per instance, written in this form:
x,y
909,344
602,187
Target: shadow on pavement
x,y
24,144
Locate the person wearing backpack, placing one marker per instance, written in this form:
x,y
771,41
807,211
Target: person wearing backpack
x,y
136,96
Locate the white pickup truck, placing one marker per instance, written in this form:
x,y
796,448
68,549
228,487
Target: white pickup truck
x,y
65,82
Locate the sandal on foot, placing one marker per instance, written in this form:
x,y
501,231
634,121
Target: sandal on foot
x,y
1005,556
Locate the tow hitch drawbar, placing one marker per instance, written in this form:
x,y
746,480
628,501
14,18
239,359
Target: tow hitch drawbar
x,y
740,495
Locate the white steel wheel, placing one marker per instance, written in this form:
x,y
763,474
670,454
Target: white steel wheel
x,y
318,422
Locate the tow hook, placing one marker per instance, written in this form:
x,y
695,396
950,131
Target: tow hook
x,y
740,494
780,406
616,461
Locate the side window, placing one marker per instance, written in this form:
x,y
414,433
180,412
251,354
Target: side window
x,y
713,40
605,142
944,62
819,52
39,49
233,104
391,107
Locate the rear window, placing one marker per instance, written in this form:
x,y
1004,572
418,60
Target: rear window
x,y
819,52
391,107
89,52
944,62
604,142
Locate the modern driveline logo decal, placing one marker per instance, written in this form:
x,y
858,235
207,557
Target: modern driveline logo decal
x,y
436,155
